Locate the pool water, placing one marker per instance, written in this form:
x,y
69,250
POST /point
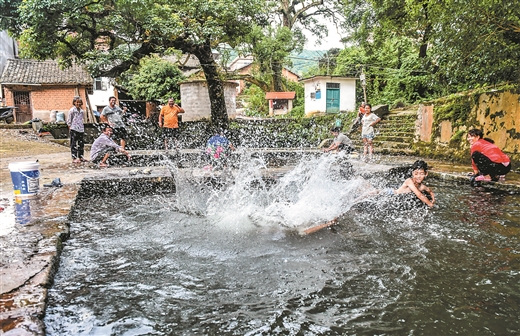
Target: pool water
x,y
147,265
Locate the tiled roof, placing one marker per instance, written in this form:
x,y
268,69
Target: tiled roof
x,y
280,95
20,71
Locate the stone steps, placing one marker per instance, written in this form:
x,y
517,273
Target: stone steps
x,y
385,144
408,138
395,133
381,133
397,124
393,117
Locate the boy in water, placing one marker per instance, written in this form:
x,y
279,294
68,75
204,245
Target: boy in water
x,y
414,183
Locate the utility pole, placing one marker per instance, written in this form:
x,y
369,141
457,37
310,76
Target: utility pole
x,y
363,83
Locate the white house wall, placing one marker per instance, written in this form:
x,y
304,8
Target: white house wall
x,y
347,93
8,49
100,97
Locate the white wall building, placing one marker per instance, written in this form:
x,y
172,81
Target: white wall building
x,y
102,89
8,49
329,94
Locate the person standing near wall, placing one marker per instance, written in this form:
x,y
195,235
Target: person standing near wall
x,y
487,160
113,115
169,121
357,121
76,130
367,133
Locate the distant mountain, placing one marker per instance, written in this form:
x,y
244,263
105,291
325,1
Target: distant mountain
x,y
301,62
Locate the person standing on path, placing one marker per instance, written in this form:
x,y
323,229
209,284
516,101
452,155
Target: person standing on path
x,y
76,130
357,121
361,110
169,121
367,133
112,115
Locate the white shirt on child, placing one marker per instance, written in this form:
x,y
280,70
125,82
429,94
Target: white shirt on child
x,y
366,121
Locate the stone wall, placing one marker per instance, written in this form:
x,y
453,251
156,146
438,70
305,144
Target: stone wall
x,y
444,123
196,103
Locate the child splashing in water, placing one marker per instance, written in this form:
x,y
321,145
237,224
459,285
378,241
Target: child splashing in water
x,y
415,184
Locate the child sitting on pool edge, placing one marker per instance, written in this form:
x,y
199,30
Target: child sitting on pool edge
x,y
415,184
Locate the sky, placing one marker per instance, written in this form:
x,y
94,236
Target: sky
x,y
332,41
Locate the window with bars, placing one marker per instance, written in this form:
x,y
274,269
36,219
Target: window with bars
x,y
21,98
332,85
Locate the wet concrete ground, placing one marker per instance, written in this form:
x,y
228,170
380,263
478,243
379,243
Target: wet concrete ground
x,y
30,251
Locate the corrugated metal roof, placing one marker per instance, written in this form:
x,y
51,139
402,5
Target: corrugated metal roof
x,y
21,71
280,95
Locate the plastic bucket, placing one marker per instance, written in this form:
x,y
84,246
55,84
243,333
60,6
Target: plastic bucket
x,y
25,177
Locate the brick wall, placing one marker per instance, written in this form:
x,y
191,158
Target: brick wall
x,y
45,99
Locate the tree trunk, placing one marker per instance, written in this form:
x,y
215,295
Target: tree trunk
x,y
427,30
219,116
277,77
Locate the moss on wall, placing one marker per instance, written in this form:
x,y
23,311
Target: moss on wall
x,y
494,110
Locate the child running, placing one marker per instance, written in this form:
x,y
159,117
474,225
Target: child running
x,y
415,183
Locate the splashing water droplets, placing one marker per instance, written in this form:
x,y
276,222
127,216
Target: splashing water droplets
x,y
316,190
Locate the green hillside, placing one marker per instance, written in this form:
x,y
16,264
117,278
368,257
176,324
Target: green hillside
x,y
301,62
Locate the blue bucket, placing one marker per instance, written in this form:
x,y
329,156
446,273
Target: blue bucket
x,y
25,177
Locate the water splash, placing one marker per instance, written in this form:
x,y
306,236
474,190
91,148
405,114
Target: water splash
x,y
316,190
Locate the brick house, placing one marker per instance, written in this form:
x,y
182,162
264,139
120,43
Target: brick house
x,y
244,66
35,88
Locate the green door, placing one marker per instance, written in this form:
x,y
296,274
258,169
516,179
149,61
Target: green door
x,y
332,98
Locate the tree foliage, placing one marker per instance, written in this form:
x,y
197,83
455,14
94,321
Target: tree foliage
x,y
270,47
9,15
271,44
409,50
154,79
420,49
110,36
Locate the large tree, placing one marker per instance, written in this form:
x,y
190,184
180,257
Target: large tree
x,y
459,43
270,47
110,36
284,33
154,79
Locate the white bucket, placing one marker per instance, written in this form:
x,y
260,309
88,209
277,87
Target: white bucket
x,y
25,177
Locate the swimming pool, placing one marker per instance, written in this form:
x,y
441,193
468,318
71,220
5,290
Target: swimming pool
x,y
234,263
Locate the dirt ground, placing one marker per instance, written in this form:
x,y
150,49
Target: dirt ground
x,y
21,145
18,143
